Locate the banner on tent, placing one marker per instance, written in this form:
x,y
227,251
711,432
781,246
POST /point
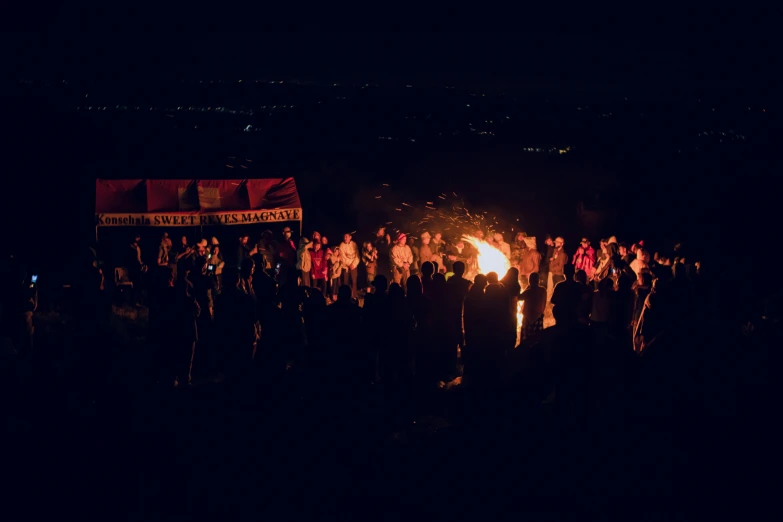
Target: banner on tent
x,y
173,219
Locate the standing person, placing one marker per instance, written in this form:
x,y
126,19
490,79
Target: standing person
x,y
587,258
601,258
370,261
642,262
304,261
185,330
458,252
517,249
164,250
266,250
530,262
582,261
416,258
400,259
350,257
382,243
534,303
286,256
501,245
546,254
438,247
335,272
243,250
216,259
202,249
625,254
319,271
203,291
457,288
556,264
425,249
287,247
136,267
135,263
235,324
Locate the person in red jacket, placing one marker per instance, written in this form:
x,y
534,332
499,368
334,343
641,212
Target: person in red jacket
x,y
584,258
319,270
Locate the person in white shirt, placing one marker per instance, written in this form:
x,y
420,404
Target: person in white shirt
x,y
401,258
350,257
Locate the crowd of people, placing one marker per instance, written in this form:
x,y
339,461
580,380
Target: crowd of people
x,y
267,301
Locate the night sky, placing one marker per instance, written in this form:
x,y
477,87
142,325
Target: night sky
x,y
657,59
731,56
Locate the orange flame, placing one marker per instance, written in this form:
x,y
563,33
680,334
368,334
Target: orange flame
x,y
490,259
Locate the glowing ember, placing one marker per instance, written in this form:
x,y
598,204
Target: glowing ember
x,y
490,259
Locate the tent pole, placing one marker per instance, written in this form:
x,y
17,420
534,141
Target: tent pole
x,y
300,229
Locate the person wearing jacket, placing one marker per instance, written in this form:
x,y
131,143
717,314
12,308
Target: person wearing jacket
x,y
584,259
556,264
319,269
425,250
370,260
335,271
401,258
304,262
530,261
350,257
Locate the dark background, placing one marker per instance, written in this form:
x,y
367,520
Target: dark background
x,y
647,176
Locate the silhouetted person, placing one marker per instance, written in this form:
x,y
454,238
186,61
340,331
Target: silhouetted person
x,y
377,319
510,282
345,362
622,311
586,301
235,323
567,296
382,243
185,331
641,289
314,312
457,289
474,302
484,369
603,301
395,357
427,271
204,291
533,308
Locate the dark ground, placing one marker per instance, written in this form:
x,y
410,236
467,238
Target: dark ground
x,y
141,451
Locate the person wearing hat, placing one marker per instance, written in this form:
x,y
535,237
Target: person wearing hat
x,y
287,248
401,258
425,250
